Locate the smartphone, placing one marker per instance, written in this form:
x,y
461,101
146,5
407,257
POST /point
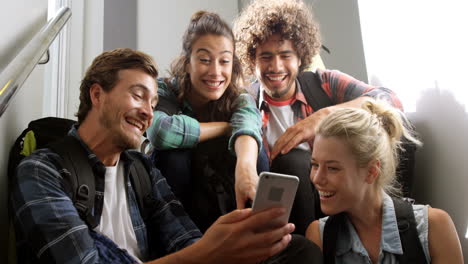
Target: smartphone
x,y
275,190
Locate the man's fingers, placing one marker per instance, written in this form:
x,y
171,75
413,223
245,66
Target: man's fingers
x,y
262,253
285,143
272,236
277,147
280,245
259,220
298,139
234,216
281,141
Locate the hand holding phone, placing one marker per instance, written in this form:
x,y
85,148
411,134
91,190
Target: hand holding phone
x,y
276,190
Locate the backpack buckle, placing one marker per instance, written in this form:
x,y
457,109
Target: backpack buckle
x,y
81,201
83,193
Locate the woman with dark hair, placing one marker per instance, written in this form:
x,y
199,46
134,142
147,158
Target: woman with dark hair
x,y
204,126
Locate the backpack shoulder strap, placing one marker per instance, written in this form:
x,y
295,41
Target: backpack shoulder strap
x,y
167,106
332,227
80,179
412,248
168,103
141,182
311,86
254,90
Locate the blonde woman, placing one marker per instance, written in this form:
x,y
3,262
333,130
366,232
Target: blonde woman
x,y
353,168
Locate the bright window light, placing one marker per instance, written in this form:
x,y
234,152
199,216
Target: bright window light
x,y
415,45
466,235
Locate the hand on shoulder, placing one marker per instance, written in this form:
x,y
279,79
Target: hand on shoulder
x,y
300,132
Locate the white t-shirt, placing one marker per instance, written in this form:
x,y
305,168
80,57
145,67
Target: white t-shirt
x,y
116,223
281,118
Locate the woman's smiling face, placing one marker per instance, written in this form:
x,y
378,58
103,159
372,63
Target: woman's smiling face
x,y
210,68
341,183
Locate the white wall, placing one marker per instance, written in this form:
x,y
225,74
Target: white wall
x,y
341,34
20,20
161,25
422,56
120,18
86,42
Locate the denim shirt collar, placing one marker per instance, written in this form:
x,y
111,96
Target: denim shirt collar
x,y
390,239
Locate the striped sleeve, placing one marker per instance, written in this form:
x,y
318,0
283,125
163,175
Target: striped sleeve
x,y
246,120
342,88
172,131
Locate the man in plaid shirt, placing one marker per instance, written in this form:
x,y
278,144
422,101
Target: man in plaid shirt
x,y
277,39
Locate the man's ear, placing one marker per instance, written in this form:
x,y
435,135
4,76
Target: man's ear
x,y
373,171
95,93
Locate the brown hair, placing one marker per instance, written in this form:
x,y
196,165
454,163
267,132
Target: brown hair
x,y
291,19
373,133
104,71
204,23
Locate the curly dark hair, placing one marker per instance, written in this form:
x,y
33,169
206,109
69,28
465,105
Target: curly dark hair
x,y
105,71
291,19
204,23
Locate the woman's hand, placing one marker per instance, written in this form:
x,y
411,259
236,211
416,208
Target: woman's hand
x,y
246,184
246,169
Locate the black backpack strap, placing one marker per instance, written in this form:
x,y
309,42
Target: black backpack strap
x,y
332,227
167,106
81,181
412,248
141,182
311,87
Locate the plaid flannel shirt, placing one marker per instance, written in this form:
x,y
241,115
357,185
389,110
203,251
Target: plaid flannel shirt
x,y
49,229
182,130
339,87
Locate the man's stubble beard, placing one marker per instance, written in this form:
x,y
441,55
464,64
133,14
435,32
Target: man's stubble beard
x,y
111,123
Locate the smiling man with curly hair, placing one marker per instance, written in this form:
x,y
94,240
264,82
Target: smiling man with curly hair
x,y
276,41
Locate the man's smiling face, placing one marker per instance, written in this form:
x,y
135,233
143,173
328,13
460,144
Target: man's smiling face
x,y
277,66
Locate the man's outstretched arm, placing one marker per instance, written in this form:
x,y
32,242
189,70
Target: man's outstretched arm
x,y
344,91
